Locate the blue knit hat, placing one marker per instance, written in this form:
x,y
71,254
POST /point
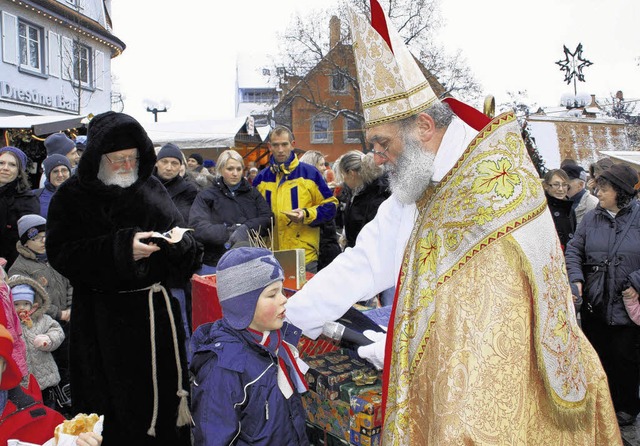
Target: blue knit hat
x,y
23,292
209,163
58,143
242,274
53,161
30,225
22,158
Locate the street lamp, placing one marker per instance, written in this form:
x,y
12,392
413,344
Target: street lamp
x,y
155,108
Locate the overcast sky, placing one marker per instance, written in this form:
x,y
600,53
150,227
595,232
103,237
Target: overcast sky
x,y
185,51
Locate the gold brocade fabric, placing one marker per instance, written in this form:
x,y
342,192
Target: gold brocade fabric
x,y
486,348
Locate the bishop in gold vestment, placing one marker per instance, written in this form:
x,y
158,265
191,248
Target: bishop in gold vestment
x,y
483,346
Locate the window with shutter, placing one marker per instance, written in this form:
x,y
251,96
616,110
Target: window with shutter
x,y
30,39
82,63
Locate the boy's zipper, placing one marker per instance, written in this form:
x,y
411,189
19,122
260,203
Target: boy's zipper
x,y
266,409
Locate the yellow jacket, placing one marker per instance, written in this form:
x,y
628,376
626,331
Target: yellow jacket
x,y
294,185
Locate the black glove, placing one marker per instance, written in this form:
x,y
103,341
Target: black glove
x,y
241,234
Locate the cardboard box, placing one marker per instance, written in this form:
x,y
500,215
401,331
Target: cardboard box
x,y
293,264
331,416
347,390
366,418
329,372
358,439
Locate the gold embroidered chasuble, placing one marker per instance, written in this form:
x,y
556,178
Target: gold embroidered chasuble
x,y
485,347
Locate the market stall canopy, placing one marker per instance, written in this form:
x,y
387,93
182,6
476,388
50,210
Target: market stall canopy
x,y
207,134
631,158
42,125
581,139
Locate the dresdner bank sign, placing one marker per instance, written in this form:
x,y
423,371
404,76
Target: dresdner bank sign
x,y
9,92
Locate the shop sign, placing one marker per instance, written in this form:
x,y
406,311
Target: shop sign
x,y
33,97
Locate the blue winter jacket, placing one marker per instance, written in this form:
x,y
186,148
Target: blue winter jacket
x,y
235,394
596,234
44,195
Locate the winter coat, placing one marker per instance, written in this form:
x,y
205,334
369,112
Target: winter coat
x,y
40,361
563,218
57,287
235,394
90,233
13,205
596,234
44,195
294,185
363,206
182,194
216,211
329,246
583,202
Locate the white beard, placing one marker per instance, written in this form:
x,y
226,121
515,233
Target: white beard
x,y
412,172
120,177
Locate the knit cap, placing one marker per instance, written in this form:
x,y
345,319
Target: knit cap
x,y
575,172
622,176
58,143
170,151
197,157
242,274
29,226
53,161
23,292
209,163
22,158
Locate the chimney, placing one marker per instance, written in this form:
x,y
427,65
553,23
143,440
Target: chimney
x,y
334,31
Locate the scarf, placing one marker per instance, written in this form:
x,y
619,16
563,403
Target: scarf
x,y
290,367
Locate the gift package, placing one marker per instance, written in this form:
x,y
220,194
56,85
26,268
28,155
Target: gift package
x,y
366,418
329,373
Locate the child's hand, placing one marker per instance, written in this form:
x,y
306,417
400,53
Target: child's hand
x,y
41,342
630,293
89,439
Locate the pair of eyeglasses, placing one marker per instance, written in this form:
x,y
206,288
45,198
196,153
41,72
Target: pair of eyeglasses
x,y
382,154
559,185
123,159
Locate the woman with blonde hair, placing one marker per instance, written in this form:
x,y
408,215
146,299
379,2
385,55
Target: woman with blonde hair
x,y
223,214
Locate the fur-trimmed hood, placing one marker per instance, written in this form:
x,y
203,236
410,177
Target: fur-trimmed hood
x,y
25,252
41,297
104,130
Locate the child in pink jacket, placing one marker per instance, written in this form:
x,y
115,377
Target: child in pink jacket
x,y
13,322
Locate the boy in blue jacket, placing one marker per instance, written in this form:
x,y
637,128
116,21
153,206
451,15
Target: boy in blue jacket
x,y
247,374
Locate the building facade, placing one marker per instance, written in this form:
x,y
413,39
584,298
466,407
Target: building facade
x,y
56,57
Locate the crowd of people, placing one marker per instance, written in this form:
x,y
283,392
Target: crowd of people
x,y
484,279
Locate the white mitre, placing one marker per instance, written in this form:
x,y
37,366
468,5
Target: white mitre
x,y
392,87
